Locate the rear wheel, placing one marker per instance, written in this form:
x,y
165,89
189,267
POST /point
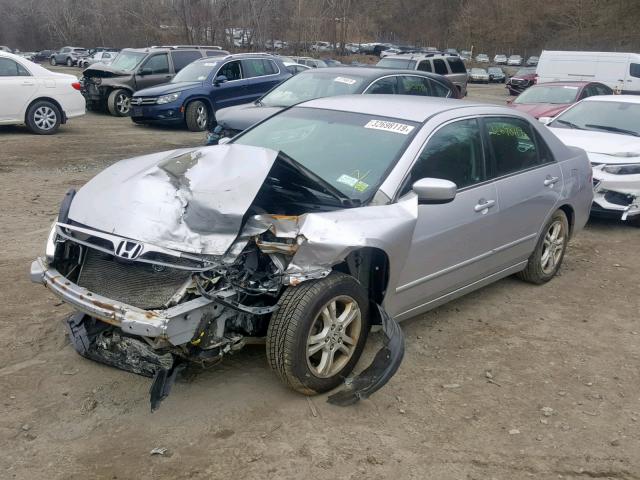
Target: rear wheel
x,y
43,118
52,61
546,259
317,335
69,62
197,116
119,102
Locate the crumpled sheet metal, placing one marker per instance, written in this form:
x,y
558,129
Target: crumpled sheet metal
x,y
192,200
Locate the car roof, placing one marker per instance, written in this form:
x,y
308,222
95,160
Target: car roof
x,y
407,107
372,72
617,98
564,84
413,56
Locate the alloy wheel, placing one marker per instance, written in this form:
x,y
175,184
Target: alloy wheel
x,y
123,103
333,336
552,247
201,118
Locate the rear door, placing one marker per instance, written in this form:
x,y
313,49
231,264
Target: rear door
x,y
153,71
529,184
261,75
452,242
17,88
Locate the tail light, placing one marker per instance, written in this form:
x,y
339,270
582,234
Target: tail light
x,y
76,85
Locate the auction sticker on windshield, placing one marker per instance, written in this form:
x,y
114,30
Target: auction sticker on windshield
x,y
348,81
389,126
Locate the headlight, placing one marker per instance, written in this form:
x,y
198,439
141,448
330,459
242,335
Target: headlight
x,y
172,97
633,169
50,249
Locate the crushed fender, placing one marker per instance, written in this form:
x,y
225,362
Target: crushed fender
x,y
384,366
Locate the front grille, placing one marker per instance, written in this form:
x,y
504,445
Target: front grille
x,y
618,198
141,285
143,101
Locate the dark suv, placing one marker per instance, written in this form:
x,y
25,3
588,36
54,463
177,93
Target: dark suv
x,y
206,85
111,86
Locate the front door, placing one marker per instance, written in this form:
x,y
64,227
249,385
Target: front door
x,y
234,87
17,88
453,242
154,70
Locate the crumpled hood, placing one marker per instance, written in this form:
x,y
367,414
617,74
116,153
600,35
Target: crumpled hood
x,y
602,147
241,117
538,110
192,200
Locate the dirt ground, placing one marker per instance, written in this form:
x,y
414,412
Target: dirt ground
x,y
513,381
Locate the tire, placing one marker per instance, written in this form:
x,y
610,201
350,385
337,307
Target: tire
x,y
119,102
52,61
197,116
553,246
69,62
300,317
43,118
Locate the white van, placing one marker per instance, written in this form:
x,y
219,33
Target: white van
x,y
620,71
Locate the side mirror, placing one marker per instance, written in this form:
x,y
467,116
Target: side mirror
x,y
545,120
145,71
220,79
432,191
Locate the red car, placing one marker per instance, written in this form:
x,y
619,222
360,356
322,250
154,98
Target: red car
x,y
550,99
523,79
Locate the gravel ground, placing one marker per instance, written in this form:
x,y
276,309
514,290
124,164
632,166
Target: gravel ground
x,y
513,381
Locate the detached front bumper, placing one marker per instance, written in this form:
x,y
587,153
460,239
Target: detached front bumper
x,y
177,324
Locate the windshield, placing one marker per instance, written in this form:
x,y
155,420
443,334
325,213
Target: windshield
x,y
312,84
495,70
128,60
397,63
478,71
525,71
544,94
350,151
195,72
601,116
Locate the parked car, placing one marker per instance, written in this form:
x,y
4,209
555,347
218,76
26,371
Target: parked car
x,y
4,48
332,63
514,60
352,47
68,56
532,61
465,55
478,75
619,71
523,79
450,66
26,55
43,55
482,58
497,75
206,85
306,230
325,83
451,51
608,128
104,57
310,62
500,59
320,47
110,86
550,99
295,68
35,96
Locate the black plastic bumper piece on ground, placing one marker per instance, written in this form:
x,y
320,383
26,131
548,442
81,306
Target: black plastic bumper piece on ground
x,y
384,366
162,383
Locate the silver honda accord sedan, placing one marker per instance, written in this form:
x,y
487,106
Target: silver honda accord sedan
x,y
307,229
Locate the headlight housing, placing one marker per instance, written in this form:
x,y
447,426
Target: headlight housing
x,y
629,169
172,97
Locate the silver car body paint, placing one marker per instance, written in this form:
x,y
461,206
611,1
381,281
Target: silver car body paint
x,y
435,252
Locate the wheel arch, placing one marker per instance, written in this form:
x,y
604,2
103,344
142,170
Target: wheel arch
x,y
63,118
202,98
570,213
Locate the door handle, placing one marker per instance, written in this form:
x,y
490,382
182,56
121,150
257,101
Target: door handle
x,y
550,181
28,83
484,205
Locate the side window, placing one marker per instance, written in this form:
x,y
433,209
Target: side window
x,y
439,90
10,68
387,85
157,63
440,67
425,66
603,90
512,145
453,153
256,67
66,50
634,70
231,70
183,58
410,85
270,67
456,65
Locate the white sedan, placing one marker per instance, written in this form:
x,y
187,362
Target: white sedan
x,y
608,128
32,95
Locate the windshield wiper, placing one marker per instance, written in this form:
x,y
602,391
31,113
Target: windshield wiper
x,y
317,182
569,124
608,128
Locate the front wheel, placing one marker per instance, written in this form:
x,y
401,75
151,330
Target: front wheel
x,y
119,103
197,116
545,261
317,335
52,61
69,62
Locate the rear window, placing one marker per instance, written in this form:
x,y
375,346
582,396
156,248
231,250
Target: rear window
x,y
457,65
397,63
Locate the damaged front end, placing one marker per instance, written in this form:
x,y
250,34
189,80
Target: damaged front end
x,y
168,265
616,187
